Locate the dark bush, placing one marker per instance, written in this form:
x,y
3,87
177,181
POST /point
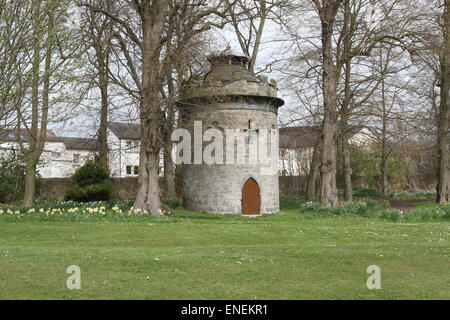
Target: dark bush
x,y
12,178
291,202
173,203
93,184
7,187
368,193
89,174
94,192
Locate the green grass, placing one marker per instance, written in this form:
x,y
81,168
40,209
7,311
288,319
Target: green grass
x,y
426,205
201,256
417,196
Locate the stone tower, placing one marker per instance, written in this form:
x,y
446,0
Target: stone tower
x,y
227,100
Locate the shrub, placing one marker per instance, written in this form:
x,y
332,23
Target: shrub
x,y
390,214
438,212
173,203
89,174
93,184
12,178
291,202
94,192
7,187
374,209
368,193
366,209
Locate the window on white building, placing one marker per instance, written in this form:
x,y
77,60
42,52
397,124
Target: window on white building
x,y
132,170
76,158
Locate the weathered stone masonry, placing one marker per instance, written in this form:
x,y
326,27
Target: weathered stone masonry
x,y
229,97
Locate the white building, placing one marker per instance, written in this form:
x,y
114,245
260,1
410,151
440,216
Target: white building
x,y
63,155
124,142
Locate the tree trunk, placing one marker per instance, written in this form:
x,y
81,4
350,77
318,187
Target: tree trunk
x,y
30,183
348,188
103,129
313,174
154,193
148,197
169,170
328,188
384,178
443,186
169,167
384,151
142,189
153,17
345,115
30,173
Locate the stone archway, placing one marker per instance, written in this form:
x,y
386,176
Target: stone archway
x,y
251,198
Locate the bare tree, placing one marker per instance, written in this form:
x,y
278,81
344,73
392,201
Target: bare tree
x,y
358,30
142,37
97,31
443,187
14,59
249,19
327,11
50,51
430,50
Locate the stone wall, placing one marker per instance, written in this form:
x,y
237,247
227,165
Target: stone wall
x,y
125,188
218,188
55,188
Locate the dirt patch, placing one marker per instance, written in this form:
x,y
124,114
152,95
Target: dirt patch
x,y
406,205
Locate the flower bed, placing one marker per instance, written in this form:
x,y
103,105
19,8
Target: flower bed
x,y
73,211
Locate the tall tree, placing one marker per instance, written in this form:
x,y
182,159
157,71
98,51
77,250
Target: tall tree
x,y
97,32
153,16
443,186
142,37
327,10
430,50
50,50
358,29
35,46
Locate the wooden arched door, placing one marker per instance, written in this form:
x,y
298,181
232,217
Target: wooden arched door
x,y
251,198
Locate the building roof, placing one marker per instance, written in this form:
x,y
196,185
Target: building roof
x,y
130,131
71,143
81,143
12,134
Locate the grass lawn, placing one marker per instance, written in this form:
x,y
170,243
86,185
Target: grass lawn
x,y
201,256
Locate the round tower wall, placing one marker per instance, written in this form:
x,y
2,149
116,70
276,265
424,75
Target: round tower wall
x,y
217,188
230,97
